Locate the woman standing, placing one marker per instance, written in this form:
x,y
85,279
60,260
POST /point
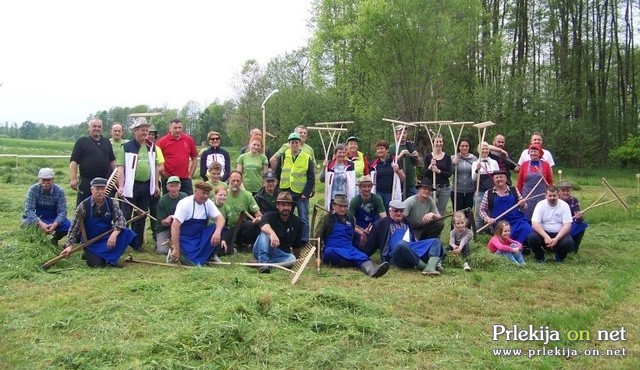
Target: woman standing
x,y
339,175
462,167
253,164
530,173
482,177
383,168
440,165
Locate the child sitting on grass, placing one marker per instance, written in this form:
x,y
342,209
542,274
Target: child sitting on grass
x,y
460,237
502,244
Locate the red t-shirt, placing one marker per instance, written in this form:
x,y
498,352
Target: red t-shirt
x,y
177,153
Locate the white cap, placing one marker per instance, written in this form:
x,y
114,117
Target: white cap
x,y
46,173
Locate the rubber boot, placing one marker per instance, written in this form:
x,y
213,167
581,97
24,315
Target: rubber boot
x,y
370,269
421,265
431,267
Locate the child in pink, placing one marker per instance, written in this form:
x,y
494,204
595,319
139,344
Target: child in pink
x,y
502,244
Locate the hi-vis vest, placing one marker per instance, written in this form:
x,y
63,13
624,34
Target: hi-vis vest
x,y
294,173
358,164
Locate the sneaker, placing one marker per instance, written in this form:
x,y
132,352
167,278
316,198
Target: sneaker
x,y
264,270
466,267
169,257
439,267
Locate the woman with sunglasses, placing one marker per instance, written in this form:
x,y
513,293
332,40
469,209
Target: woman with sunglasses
x,y
215,154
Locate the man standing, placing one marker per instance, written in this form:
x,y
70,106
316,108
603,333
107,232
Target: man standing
x,y
46,206
337,232
253,133
116,136
267,195
295,171
138,173
422,213
180,156
193,239
94,216
238,202
360,161
215,154
366,208
501,198
302,132
93,156
500,155
166,208
551,221
393,236
281,233
536,139
153,204
409,157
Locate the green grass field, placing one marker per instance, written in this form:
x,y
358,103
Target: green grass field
x,y
147,317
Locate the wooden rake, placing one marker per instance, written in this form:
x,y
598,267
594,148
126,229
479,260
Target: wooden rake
x,y
393,122
608,188
314,215
482,126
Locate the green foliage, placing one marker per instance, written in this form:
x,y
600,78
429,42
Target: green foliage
x,y
627,154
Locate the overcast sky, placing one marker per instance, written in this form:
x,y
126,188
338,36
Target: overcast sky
x,y
60,61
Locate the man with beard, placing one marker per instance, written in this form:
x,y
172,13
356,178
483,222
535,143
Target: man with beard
x,y
551,221
422,214
240,201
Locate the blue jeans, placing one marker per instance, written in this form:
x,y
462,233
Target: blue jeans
x,y
386,198
264,253
303,213
442,198
513,257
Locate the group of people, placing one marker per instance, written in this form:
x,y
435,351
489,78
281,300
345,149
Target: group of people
x,y
372,205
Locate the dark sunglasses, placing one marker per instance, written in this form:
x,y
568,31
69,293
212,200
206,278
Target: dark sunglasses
x,y
214,139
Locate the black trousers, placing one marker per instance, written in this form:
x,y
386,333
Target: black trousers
x,y
536,242
141,198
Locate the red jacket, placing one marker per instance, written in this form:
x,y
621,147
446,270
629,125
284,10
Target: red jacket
x,y
547,174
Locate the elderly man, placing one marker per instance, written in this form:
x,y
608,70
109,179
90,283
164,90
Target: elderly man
x,y
116,136
551,221
281,234
166,208
337,232
394,237
536,139
360,161
97,215
296,174
93,156
501,198
410,159
366,208
180,156
238,202
422,213
46,206
578,226
215,153
193,240
267,195
138,173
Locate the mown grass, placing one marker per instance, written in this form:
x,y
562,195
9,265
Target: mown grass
x,y
148,317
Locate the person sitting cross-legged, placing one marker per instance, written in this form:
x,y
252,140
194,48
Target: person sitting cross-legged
x,y
280,234
337,231
46,206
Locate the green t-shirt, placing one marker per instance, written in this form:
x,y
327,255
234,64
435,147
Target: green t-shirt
x,y
242,202
143,170
252,166
166,207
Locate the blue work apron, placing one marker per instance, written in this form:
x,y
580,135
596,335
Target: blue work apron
x,y
96,225
195,238
420,247
520,227
338,246
49,213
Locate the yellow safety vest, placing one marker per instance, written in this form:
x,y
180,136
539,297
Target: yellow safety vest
x,y
358,165
294,172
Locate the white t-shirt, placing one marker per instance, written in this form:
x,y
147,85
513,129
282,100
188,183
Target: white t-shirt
x,y
552,218
546,155
185,211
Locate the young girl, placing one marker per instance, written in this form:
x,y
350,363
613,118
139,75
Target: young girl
x,y
460,237
502,244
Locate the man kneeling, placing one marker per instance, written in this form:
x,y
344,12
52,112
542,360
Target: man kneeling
x,y
337,231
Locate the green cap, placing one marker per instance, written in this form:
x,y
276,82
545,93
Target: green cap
x,y
173,179
293,136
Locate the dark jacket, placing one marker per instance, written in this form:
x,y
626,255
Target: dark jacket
x,y
264,204
379,237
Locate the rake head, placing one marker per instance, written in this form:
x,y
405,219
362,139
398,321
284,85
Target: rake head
x,y
305,256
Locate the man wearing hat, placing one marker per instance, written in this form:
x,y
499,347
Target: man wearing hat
x,y
410,158
302,132
394,237
501,198
366,208
194,241
422,213
267,195
94,216
153,203
46,206
360,161
578,226
281,234
166,208
337,231
138,174
296,174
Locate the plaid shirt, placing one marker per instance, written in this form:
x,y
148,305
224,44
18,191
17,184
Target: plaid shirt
x,y
37,199
83,209
574,205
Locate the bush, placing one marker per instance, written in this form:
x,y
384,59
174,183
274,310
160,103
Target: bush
x,y
628,154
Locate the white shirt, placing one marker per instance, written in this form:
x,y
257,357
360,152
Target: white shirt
x,y
489,166
185,211
546,155
552,218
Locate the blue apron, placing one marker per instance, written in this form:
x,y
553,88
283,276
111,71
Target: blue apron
x,y
195,238
96,225
338,246
49,213
520,227
533,175
577,228
364,218
420,247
